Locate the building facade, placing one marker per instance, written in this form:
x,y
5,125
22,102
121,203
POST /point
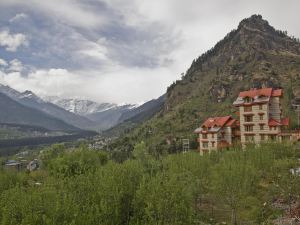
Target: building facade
x,y
260,119
217,133
260,115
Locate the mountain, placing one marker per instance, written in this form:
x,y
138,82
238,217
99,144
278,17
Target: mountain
x,y
109,118
29,99
143,112
253,55
16,113
79,106
118,119
135,116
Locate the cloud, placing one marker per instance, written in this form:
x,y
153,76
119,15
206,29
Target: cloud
x,y
72,12
18,17
15,65
120,50
3,63
118,85
12,42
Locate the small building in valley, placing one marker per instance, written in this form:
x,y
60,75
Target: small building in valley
x,y
260,119
12,165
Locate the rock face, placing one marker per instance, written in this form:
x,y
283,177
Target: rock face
x,y
253,55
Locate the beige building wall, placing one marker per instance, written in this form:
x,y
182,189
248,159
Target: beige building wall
x,y
275,108
216,138
211,137
260,117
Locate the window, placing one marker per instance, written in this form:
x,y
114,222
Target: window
x,y
249,138
213,144
261,117
248,109
272,137
205,145
248,128
223,135
248,100
261,126
212,135
248,118
262,137
204,136
260,107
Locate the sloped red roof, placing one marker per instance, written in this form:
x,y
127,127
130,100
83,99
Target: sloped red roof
x,y
268,92
277,93
285,121
231,122
216,121
256,92
273,122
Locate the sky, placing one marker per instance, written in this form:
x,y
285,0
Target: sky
x,y
119,51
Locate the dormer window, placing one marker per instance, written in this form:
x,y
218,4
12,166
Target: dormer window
x,y
248,99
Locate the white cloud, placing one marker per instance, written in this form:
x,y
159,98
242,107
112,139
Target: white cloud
x,y
12,42
72,12
3,63
94,50
118,85
18,17
142,45
15,65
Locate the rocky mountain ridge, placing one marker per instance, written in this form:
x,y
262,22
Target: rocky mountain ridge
x,y
252,56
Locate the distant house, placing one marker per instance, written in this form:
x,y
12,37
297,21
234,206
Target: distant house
x,y
12,165
260,119
217,133
33,165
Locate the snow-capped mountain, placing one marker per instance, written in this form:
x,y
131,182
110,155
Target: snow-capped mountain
x,y
16,95
10,92
80,106
31,100
85,114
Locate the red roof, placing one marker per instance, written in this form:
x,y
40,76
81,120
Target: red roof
x,y
274,123
268,92
231,122
216,121
285,121
277,93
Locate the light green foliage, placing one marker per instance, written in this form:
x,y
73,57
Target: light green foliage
x,y
79,186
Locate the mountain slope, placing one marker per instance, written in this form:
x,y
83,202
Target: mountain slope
x,y
253,55
108,118
16,113
144,111
29,99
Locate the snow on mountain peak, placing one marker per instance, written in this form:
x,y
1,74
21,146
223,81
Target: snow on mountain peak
x,y
80,106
